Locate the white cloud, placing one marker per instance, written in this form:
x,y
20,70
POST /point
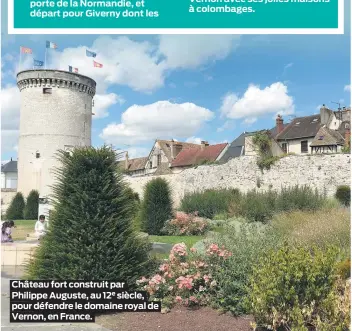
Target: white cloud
x,y
250,120
142,65
192,51
347,88
9,141
10,107
194,140
257,102
102,102
10,116
227,125
125,62
161,119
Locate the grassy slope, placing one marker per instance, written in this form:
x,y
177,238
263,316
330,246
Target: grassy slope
x,y
22,228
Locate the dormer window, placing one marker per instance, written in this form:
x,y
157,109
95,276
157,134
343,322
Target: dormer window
x,y
37,155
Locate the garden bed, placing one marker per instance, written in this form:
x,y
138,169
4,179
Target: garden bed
x,y
178,319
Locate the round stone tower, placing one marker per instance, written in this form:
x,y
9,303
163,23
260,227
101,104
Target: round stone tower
x,y
56,114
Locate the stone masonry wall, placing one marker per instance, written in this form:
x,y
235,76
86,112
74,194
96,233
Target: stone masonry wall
x,y
324,172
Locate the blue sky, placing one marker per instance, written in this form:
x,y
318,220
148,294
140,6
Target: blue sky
x,y
187,87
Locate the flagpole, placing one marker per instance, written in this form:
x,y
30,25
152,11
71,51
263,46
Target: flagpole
x,y
19,66
45,57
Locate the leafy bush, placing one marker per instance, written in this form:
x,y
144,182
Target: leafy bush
x,y
322,228
209,202
185,278
344,269
343,194
289,287
262,144
90,235
186,225
32,204
257,206
248,243
16,208
253,205
156,207
299,198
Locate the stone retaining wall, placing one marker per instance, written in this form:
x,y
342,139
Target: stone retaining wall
x,y
324,172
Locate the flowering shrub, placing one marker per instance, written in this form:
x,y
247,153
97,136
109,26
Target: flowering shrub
x,y
186,224
185,278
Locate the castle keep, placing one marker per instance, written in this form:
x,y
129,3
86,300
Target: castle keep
x,y
56,114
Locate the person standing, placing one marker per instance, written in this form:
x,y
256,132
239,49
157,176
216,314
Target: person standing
x,y
40,228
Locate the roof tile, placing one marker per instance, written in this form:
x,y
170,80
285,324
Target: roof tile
x,y
194,155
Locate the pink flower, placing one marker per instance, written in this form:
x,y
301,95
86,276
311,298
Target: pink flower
x,y
178,299
193,299
206,278
157,279
197,275
164,267
184,282
201,288
179,249
193,250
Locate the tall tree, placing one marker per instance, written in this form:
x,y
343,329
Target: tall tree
x,y
16,208
156,207
90,235
32,204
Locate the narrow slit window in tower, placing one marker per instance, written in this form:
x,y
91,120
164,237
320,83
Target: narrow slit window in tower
x,y
47,90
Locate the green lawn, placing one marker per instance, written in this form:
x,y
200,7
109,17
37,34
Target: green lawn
x,y
188,240
22,228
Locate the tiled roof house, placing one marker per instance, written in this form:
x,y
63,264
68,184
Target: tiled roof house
x,y
326,132
162,155
205,153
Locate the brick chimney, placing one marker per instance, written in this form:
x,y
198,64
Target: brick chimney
x,y
172,149
279,124
126,161
204,144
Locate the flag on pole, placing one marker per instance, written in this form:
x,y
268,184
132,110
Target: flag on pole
x,y
38,63
90,54
26,50
49,44
97,65
71,69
